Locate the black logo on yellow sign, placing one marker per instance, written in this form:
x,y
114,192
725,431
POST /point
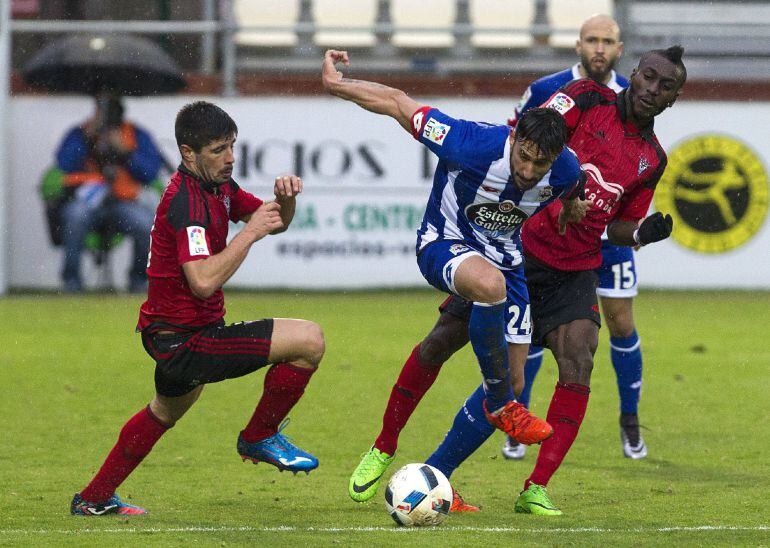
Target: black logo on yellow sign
x,y
715,187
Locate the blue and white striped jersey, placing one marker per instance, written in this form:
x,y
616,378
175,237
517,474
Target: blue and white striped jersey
x,y
541,89
474,198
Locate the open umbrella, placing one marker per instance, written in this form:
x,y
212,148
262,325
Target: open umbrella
x,y
115,63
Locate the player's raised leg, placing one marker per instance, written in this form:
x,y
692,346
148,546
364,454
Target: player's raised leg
x,y
417,375
478,281
296,349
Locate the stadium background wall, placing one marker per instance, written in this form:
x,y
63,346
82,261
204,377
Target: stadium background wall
x,y
367,183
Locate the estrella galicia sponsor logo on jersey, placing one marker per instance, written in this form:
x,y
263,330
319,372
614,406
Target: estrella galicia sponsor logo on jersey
x,y
436,131
716,189
495,219
561,103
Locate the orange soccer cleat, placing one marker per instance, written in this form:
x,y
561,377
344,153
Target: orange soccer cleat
x,y
459,504
515,420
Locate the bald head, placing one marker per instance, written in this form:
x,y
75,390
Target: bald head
x,y
599,47
600,23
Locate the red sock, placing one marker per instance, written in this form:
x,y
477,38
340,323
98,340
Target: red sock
x,y
284,385
135,441
565,414
415,379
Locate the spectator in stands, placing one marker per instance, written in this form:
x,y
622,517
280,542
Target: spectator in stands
x,y
107,161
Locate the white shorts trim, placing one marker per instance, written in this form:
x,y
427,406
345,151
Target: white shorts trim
x,y
612,293
453,265
518,339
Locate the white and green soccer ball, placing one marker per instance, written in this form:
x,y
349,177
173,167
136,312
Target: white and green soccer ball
x,y
418,495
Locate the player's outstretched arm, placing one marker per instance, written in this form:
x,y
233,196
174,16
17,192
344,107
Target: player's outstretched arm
x,y
371,96
207,275
653,229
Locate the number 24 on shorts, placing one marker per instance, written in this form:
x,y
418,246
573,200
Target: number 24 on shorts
x,y
525,327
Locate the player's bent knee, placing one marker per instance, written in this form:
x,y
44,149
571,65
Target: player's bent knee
x,y
490,286
448,336
312,345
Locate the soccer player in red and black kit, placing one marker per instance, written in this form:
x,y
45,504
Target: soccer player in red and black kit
x,y
182,324
613,137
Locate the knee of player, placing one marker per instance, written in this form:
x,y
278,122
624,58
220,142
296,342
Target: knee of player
x,y
621,327
448,336
314,343
490,286
577,360
434,351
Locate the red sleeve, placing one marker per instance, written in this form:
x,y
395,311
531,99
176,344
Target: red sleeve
x,y
192,244
418,121
572,100
242,203
634,206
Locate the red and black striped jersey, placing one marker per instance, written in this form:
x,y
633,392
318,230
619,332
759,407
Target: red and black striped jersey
x,y
191,223
623,165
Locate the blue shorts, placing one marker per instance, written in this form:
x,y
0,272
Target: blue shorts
x,y
617,275
439,261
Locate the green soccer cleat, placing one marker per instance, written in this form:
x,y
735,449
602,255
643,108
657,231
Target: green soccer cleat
x,y
367,476
534,500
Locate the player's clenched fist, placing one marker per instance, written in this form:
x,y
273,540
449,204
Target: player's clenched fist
x,y
266,219
287,187
329,73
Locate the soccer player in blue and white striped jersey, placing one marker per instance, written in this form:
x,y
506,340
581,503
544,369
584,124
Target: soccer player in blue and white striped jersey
x,y
488,181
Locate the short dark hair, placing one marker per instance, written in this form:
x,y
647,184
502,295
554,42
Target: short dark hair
x,y
673,54
545,127
200,123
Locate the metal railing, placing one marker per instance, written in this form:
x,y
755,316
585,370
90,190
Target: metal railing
x,y
218,28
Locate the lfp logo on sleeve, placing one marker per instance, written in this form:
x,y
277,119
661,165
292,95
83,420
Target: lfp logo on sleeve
x,y
196,240
561,103
436,131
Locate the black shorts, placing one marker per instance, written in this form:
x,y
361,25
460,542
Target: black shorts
x,y
558,297
457,307
186,359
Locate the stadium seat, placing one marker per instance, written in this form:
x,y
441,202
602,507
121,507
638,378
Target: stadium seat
x,y
345,13
268,13
566,16
515,15
423,24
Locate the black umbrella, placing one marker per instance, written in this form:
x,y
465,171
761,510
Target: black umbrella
x,y
116,63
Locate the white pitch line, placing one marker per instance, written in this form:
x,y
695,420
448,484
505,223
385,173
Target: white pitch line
x,y
399,530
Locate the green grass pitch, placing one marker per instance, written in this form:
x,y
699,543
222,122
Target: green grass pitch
x,y
72,371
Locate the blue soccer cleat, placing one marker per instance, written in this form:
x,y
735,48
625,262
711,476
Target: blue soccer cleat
x,y
278,451
113,505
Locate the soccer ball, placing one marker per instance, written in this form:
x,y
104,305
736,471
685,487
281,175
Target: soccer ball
x,y
419,495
